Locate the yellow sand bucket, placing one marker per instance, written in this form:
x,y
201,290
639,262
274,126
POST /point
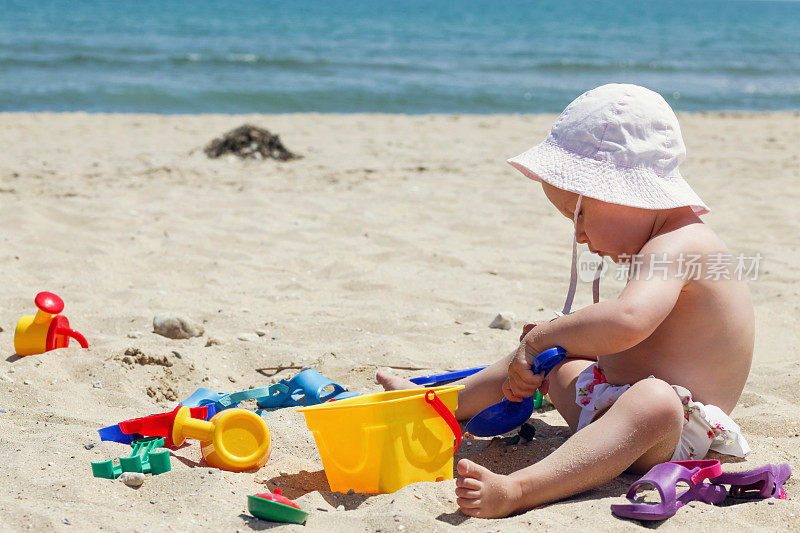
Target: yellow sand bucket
x,y
379,443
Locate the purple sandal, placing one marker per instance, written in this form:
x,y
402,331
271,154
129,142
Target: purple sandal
x,y
760,483
763,482
664,478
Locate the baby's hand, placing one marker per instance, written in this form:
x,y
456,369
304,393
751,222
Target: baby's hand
x,y
522,382
525,330
528,327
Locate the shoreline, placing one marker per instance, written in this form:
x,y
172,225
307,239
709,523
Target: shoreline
x,y
708,112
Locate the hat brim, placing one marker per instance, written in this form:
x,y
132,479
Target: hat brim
x,y
605,181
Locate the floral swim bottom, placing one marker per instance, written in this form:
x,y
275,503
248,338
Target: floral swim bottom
x,y
704,426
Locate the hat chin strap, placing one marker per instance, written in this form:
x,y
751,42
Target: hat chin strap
x,y
573,276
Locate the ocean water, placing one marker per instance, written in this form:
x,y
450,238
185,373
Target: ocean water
x,y
398,56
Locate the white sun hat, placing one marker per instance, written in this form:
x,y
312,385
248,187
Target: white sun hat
x,y
617,143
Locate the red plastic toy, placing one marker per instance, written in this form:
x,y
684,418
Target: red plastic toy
x,y
277,497
159,425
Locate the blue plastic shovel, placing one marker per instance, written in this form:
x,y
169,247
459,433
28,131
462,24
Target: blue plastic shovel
x,y
448,377
506,415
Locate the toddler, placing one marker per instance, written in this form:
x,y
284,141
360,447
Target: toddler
x,y
652,375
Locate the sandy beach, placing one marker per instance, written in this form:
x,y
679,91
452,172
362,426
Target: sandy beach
x,y
392,243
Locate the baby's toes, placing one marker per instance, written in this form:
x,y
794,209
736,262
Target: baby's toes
x,y
468,504
468,483
467,493
470,470
466,468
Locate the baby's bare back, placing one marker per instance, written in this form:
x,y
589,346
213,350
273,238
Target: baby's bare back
x,y
706,342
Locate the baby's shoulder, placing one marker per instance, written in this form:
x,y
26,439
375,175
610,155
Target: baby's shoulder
x,y
693,253
692,239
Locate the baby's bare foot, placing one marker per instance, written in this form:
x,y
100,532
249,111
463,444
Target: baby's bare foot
x,y
392,382
484,494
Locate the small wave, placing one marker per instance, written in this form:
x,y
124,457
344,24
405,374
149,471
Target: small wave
x,y
291,62
242,58
113,58
753,89
71,59
749,70
248,59
110,59
82,60
568,66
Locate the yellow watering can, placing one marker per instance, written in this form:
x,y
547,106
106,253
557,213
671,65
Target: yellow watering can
x,y
47,330
234,439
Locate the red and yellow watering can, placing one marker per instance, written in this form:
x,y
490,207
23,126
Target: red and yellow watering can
x,y
47,330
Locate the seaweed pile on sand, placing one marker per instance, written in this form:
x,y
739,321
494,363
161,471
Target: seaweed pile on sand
x,y
249,142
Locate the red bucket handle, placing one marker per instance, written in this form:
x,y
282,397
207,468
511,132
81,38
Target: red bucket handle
x,y
444,412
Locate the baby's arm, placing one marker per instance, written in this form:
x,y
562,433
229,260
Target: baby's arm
x,y
607,327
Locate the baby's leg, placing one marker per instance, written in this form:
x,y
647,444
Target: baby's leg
x,y
639,431
562,389
481,390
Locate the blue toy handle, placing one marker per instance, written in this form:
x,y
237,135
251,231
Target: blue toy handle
x,y
548,359
233,399
447,377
